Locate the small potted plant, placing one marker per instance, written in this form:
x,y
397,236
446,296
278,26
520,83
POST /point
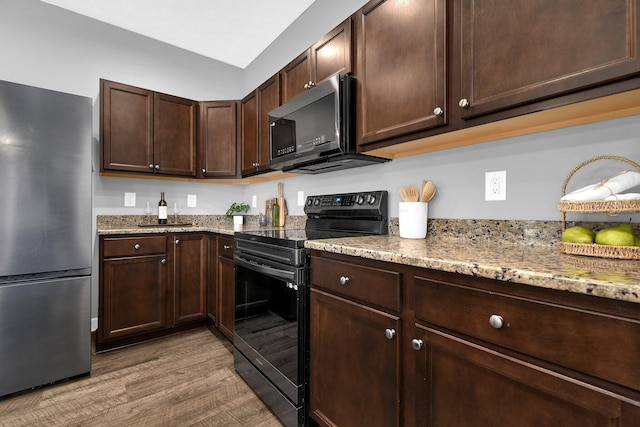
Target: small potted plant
x,y
236,210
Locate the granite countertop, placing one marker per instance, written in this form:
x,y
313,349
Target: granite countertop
x,y
471,251
542,266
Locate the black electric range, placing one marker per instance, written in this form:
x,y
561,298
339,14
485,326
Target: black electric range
x,y
330,216
272,296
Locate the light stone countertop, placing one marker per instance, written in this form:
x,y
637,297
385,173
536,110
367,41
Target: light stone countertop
x,y
472,251
542,266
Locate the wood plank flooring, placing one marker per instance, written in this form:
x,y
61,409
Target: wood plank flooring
x,y
185,379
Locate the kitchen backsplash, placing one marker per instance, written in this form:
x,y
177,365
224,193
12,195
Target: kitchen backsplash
x,y
528,233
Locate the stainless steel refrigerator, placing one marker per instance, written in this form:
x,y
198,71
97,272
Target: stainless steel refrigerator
x,y
45,236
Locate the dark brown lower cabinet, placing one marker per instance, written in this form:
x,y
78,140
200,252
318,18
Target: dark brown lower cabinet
x,y
465,384
226,287
394,345
149,285
355,368
189,277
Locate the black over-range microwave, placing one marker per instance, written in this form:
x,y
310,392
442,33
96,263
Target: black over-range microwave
x,y
315,132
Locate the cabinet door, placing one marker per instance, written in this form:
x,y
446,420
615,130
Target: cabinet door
x,y
268,100
189,277
126,125
212,278
218,139
296,76
460,384
400,68
535,49
249,133
175,135
226,287
355,368
332,54
134,296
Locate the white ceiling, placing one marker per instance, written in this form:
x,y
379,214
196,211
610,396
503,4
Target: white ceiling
x,y
231,31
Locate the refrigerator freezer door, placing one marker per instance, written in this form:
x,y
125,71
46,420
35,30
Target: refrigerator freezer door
x,y
45,332
45,181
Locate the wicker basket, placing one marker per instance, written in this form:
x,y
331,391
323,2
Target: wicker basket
x,y
610,207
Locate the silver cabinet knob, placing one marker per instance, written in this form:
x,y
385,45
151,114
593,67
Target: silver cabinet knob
x,y
496,321
416,344
306,86
226,247
464,103
177,241
163,262
157,167
438,111
344,280
204,170
151,166
136,246
389,333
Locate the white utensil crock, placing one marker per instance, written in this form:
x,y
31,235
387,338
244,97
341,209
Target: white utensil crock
x,y
412,219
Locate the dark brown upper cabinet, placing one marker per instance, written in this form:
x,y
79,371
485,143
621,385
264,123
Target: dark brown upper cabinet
x,y
330,55
147,132
218,139
401,68
255,109
536,50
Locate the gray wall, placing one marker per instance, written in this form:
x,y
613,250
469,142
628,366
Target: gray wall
x,y
49,47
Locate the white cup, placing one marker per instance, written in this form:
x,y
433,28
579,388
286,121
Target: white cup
x,y
413,220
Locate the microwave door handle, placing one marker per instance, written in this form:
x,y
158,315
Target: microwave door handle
x,y
265,269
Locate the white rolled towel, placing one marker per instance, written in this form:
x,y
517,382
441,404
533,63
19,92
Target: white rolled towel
x,y
624,196
613,185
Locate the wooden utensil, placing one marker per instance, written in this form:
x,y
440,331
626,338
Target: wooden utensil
x,y
283,206
410,193
428,191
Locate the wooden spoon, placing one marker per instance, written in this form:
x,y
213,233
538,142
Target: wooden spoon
x,y
410,193
428,191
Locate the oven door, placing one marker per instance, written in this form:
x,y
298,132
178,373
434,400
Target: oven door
x,y
271,320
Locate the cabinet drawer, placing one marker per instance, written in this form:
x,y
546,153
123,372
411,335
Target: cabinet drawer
x,y
600,345
133,246
225,247
370,285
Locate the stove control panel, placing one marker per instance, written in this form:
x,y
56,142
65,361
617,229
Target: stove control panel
x,y
346,202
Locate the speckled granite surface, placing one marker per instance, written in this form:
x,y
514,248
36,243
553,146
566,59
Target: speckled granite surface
x,y
523,252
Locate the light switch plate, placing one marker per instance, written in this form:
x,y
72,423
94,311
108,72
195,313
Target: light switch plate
x,y
300,198
130,199
192,201
254,201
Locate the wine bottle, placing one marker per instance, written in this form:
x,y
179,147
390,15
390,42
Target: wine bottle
x,y
275,214
162,210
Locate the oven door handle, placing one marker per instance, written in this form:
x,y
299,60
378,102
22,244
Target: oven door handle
x,y
289,275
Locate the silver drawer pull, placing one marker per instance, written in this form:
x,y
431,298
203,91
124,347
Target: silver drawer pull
x,y
416,344
389,333
163,262
496,321
226,247
136,246
344,280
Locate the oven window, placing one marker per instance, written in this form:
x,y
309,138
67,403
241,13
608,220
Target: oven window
x,y
266,318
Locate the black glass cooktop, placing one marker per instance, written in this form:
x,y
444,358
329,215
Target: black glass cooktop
x,y
293,238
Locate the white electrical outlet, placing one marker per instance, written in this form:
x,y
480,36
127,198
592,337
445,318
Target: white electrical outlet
x,y
300,198
192,201
495,185
130,199
254,201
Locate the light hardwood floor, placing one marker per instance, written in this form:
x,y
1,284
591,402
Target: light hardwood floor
x,y
185,379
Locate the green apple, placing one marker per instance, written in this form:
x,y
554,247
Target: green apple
x,y
578,234
614,236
